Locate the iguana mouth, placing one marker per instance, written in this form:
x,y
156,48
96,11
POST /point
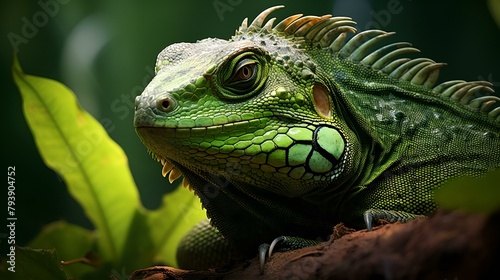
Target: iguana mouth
x,y
173,173
179,131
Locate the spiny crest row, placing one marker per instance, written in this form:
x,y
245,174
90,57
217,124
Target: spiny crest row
x,y
331,32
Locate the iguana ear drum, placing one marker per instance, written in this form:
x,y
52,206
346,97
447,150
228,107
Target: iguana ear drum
x,y
322,101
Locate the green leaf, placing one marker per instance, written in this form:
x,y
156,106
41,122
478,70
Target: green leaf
x,y
494,8
37,264
72,242
184,211
77,147
154,235
96,173
475,195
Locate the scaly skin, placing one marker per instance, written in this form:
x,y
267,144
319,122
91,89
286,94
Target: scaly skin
x,y
288,129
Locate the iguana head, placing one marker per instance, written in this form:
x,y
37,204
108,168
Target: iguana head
x,y
254,110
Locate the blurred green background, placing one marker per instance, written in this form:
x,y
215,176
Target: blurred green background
x,y
105,51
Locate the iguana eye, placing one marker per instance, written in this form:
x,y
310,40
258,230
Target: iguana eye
x,y
243,75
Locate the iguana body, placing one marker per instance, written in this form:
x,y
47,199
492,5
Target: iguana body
x,y
290,128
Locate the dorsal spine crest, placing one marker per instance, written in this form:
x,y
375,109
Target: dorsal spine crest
x,y
328,32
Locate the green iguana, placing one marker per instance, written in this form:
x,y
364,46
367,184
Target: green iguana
x,y
288,129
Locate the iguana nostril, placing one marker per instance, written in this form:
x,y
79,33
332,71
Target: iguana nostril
x,y
166,104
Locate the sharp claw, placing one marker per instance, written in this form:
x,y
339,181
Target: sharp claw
x,y
273,244
367,216
266,249
263,248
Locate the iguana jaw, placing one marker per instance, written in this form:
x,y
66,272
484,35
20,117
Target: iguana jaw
x,y
288,161
168,168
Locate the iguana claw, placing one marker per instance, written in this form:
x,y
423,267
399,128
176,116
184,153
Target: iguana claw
x,y
368,217
263,249
286,243
273,244
266,250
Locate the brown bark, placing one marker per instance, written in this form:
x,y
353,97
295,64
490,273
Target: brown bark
x,y
448,245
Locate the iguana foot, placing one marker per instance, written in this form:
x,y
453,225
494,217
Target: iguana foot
x,y
282,244
388,215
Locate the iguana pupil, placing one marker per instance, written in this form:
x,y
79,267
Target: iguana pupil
x,y
245,75
245,71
